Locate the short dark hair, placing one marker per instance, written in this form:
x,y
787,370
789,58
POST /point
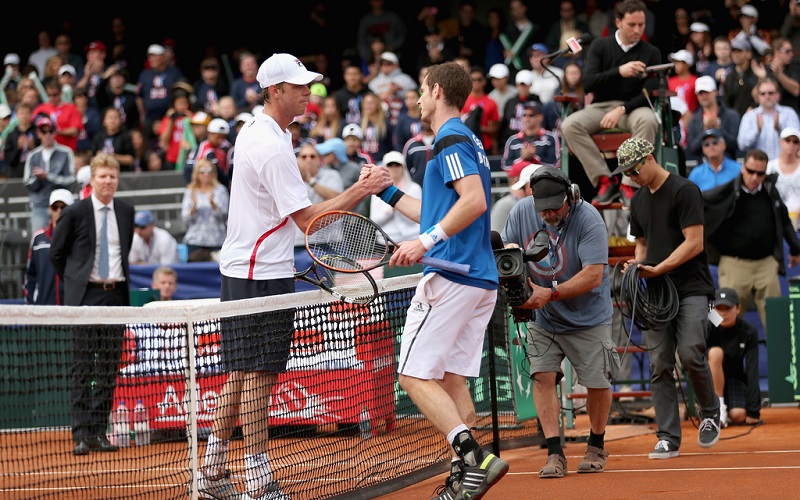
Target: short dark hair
x,y
452,78
629,7
757,155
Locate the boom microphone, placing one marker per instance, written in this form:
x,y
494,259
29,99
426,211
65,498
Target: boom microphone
x,y
574,46
541,246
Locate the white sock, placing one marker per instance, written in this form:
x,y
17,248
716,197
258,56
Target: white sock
x,y
452,434
257,472
215,457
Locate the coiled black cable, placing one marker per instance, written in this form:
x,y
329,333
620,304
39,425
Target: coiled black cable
x,y
649,302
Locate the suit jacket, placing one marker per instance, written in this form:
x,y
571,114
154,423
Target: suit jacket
x,y
73,246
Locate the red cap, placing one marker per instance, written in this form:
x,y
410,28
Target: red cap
x,y
96,45
516,168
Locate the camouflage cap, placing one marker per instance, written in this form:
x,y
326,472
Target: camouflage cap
x,y
631,152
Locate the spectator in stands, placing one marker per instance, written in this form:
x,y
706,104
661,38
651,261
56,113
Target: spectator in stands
x,y
409,123
749,30
546,80
785,165
390,85
204,209
210,87
435,50
330,122
572,295
48,167
791,26
42,285
115,140
348,98
371,66
780,66
746,224
115,90
674,247
722,63
501,91
151,244
175,133
66,118
244,89
322,183
567,25
761,127
380,21
515,106
711,113
533,143
517,178
63,44
20,141
156,88
733,359
417,152
480,112
497,22
38,58
700,46
92,72
397,226
618,99
215,148
165,280
571,85
376,127
737,90
718,168
333,153
682,82
66,78
519,35
353,139
95,274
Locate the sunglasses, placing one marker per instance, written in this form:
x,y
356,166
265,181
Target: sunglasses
x,y
760,173
711,142
46,131
204,171
770,92
634,171
308,156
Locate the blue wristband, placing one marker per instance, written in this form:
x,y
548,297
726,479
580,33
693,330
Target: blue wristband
x,y
386,194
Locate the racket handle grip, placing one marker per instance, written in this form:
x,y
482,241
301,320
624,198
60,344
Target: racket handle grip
x,y
445,265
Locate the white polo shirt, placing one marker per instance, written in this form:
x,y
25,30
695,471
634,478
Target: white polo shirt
x,y
266,188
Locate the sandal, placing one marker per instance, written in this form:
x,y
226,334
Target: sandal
x,y
594,460
555,467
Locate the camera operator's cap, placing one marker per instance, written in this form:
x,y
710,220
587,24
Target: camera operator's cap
x,y
525,174
787,132
726,297
144,218
749,11
699,27
62,195
631,152
740,43
712,132
218,126
682,55
156,50
279,68
524,76
705,84
540,47
354,130
549,193
11,58
499,70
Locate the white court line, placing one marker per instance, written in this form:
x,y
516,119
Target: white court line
x,y
692,469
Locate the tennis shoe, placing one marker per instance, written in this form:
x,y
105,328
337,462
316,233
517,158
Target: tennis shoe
x,y
216,489
708,434
478,479
664,449
452,485
608,192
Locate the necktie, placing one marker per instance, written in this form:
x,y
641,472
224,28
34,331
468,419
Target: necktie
x,y
103,265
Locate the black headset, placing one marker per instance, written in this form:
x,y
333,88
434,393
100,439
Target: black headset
x,y
573,191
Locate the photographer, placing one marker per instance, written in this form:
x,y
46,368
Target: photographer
x,y
569,288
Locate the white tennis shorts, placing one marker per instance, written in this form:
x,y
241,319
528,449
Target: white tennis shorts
x,y
444,330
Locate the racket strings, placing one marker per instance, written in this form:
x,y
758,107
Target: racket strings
x,y
355,239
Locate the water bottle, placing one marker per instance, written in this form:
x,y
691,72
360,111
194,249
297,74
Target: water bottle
x,y
364,427
121,425
141,425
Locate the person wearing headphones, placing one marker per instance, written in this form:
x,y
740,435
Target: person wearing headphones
x,y
571,294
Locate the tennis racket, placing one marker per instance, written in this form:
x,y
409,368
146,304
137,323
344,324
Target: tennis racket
x,y
362,244
353,287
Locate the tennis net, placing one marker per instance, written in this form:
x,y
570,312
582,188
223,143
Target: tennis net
x,y
341,373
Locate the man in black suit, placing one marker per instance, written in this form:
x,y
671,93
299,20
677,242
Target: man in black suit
x,y
90,253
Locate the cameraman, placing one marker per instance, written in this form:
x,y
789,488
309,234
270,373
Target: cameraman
x,y
570,289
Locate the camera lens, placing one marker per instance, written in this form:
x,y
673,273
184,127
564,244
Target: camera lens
x,y
506,265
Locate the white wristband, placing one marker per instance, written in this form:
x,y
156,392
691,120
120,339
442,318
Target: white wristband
x,y
433,236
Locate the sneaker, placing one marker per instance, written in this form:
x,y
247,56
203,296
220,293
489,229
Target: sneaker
x,y
608,192
272,492
664,449
627,193
478,479
452,485
217,489
708,432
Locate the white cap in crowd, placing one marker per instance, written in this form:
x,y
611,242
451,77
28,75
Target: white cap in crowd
x,y
61,195
11,58
354,130
705,84
682,55
218,126
524,76
789,132
498,70
390,56
281,68
67,68
156,50
394,157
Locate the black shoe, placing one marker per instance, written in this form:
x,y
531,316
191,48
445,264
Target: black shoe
x,y
100,443
608,192
81,448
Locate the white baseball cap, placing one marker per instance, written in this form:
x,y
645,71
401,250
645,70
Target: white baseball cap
x,y
749,11
682,55
390,56
156,50
243,117
281,68
524,76
789,132
218,126
67,68
394,157
705,84
354,130
5,111
699,27
11,58
498,70
525,176
61,195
